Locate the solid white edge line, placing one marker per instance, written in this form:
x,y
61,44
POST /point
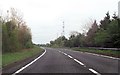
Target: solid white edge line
x,y
103,56
29,63
100,55
78,62
95,72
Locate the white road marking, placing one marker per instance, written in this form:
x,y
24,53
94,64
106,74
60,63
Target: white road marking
x,y
103,56
84,65
59,51
70,56
65,54
78,62
98,55
18,71
95,72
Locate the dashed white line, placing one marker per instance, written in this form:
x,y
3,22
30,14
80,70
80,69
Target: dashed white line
x,y
84,65
70,56
59,51
65,53
18,71
95,72
62,52
78,62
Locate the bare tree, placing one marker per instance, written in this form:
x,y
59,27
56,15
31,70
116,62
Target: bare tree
x,y
17,16
87,26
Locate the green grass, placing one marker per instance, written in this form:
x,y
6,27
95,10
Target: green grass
x,y
97,51
9,58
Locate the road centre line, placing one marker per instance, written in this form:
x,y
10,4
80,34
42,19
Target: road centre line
x,y
70,56
65,54
78,62
74,59
59,51
95,72
18,71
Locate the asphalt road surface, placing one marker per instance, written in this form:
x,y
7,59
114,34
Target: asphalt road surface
x,y
58,60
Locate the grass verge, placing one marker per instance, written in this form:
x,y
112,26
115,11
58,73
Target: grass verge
x,y
9,58
97,51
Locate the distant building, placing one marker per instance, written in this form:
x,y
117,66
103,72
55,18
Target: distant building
x,y
119,9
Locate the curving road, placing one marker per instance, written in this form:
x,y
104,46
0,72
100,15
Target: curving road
x,y
59,60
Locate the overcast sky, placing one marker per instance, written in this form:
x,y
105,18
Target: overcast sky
x,y
45,17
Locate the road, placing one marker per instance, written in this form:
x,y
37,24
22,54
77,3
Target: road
x,y
58,60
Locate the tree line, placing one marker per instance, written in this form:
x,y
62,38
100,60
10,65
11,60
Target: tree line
x,y
104,34
15,33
